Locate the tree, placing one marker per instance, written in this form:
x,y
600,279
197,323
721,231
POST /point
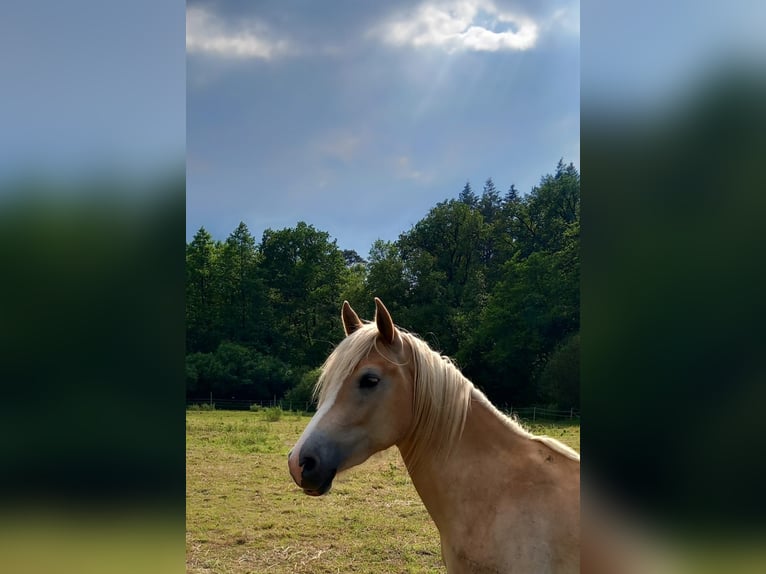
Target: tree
x,y
235,370
384,278
467,196
442,257
491,281
353,286
533,280
303,393
200,293
507,231
512,196
241,290
352,258
550,208
304,273
560,377
490,201
202,374
530,311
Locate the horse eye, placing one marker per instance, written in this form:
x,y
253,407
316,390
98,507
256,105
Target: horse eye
x,y
368,381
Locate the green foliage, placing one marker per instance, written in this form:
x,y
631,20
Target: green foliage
x,y
240,287
467,196
200,292
303,392
385,279
192,376
304,275
560,377
492,280
489,204
235,370
202,370
272,414
443,262
353,285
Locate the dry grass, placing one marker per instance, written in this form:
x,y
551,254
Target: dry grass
x,y
245,515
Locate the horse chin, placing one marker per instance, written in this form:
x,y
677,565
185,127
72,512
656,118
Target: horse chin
x,y
316,492
323,489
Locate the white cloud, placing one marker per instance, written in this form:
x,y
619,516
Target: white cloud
x,y
476,25
206,33
404,169
342,146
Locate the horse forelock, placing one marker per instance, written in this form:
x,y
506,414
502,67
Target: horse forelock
x,y
344,358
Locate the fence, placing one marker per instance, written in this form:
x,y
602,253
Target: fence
x,y
543,414
524,413
244,405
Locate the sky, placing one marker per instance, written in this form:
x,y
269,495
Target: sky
x,y
359,117
355,117
80,92
641,56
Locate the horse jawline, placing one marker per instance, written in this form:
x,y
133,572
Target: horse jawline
x,y
324,488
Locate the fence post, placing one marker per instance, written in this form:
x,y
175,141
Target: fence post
x,y
534,409
571,411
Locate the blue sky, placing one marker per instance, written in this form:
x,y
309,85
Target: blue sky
x,y
639,56
359,118
81,93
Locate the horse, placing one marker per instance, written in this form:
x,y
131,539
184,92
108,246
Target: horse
x,y
503,499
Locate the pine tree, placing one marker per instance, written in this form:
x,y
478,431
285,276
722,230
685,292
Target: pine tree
x,y
490,201
467,196
200,292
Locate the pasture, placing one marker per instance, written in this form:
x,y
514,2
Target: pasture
x,y
245,515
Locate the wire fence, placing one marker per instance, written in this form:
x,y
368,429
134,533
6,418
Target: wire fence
x,y
244,405
533,413
543,414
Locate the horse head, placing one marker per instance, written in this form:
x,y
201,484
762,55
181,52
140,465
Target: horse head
x,y
365,402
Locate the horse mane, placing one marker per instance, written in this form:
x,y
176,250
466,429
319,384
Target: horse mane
x,y
515,426
441,402
442,394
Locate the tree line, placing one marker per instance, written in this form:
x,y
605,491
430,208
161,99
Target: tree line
x,y
490,279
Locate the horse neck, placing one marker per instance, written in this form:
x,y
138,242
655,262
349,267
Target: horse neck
x,y
446,484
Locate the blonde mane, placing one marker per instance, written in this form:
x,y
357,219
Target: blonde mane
x,y
515,426
442,395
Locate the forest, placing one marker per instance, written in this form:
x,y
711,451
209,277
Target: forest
x,y
490,279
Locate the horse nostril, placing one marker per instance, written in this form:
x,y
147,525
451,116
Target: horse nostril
x,y
308,463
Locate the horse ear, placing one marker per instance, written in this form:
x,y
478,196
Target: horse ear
x,y
384,322
351,321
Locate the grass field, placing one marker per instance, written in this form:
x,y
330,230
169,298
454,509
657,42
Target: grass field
x,y
244,514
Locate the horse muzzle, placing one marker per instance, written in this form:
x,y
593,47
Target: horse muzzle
x,y
314,466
